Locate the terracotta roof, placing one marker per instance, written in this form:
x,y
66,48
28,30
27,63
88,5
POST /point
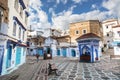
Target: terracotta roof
x,y
88,35
115,26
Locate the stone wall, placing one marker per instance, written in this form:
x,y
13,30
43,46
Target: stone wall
x,y
92,26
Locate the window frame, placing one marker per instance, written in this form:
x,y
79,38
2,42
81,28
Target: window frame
x,y
14,28
77,32
23,37
19,36
84,30
107,27
108,35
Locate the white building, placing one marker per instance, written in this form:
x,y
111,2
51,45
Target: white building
x,y
116,39
15,36
35,42
108,31
51,32
51,43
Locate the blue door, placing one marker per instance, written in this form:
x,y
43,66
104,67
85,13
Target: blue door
x,y
40,51
8,60
18,55
64,52
1,57
58,52
73,53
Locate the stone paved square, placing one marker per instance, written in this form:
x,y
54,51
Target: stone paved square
x,y
68,69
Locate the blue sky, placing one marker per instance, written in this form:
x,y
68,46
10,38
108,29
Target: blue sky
x,y
60,13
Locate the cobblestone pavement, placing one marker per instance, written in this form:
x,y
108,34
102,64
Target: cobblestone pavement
x,y
72,69
68,69
31,70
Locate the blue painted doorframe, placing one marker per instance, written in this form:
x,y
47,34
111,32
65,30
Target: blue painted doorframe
x,y
18,55
9,54
64,52
1,57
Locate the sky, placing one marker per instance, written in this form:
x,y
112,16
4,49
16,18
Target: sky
x,y
59,14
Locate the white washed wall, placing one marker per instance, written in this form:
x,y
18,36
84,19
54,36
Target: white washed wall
x,y
13,12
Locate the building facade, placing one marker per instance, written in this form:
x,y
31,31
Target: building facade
x,y
35,42
108,32
16,36
79,28
116,40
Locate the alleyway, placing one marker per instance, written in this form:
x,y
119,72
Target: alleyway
x,y
69,69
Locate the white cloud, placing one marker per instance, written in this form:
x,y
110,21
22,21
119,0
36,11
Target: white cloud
x,y
72,7
63,20
51,10
35,3
57,1
113,6
78,1
42,22
64,1
93,6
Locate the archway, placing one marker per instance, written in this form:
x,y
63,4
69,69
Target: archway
x,y
85,54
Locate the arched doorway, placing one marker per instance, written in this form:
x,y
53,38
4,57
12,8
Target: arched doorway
x,y
85,54
73,53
